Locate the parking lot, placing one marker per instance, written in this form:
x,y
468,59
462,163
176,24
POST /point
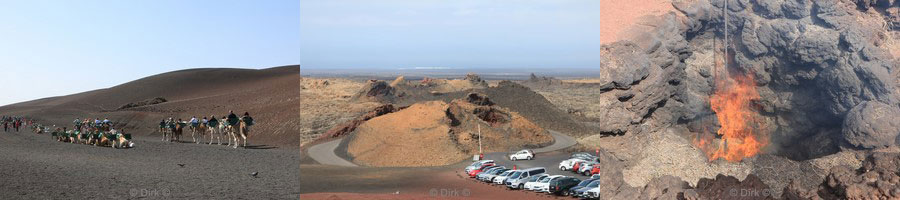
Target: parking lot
x,y
549,161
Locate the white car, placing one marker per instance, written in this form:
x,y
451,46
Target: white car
x,y
522,155
533,180
592,193
565,165
586,167
544,185
502,177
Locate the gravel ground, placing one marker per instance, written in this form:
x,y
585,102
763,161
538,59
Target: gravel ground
x,y
37,167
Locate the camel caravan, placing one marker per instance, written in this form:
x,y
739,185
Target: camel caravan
x,y
93,132
231,127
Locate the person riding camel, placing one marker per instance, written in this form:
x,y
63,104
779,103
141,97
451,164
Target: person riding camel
x,y
232,118
247,119
213,122
171,123
194,122
204,121
97,123
162,124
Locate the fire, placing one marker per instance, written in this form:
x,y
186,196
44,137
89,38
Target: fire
x,y
739,123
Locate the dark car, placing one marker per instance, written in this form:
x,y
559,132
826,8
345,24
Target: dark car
x,y
571,191
561,186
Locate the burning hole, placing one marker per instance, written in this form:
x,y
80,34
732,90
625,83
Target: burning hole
x,y
741,135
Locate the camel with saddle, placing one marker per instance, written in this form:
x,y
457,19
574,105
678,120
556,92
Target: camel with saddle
x,y
216,130
198,129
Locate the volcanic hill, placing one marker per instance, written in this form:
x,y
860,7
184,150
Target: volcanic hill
x,y
269,95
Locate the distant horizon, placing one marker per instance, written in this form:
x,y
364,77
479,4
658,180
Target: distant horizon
x,y
117,84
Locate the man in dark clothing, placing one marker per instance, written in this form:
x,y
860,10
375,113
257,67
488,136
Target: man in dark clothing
x,y
247,119
232,119
213,122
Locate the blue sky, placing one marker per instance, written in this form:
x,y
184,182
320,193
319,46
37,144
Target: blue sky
x,y
52,48
454,34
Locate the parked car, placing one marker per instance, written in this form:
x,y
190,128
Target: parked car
x,y
478,164
593,193
580,154
566,165
582,184
577,165
517,180
543,186
561,186
477,174
529,184
522,155
595,170
499,180
584,156
582,192
478,170
480,176
490,177
585,168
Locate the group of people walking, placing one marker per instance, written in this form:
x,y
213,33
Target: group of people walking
x,y
172,128
13,122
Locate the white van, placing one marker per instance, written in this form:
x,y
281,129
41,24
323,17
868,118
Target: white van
x,y
517,180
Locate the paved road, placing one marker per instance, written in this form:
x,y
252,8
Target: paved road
x,y
560,141
324,153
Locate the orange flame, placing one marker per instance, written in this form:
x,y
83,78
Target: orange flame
x,y
732,105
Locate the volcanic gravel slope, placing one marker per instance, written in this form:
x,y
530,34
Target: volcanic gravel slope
x,y
270,95
37,167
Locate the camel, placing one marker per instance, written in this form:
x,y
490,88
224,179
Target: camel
x,y
176,132
103,139
216,131
167,130
198,130
123,141
243,132
73,138
64,136
91,137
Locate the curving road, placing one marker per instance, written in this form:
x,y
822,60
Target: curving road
x,y
324,153
560,141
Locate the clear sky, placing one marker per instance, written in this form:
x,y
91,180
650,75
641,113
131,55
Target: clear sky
x,y
61,47
449,34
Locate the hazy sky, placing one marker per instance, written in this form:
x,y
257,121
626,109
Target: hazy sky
x,y
455,34
61,47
